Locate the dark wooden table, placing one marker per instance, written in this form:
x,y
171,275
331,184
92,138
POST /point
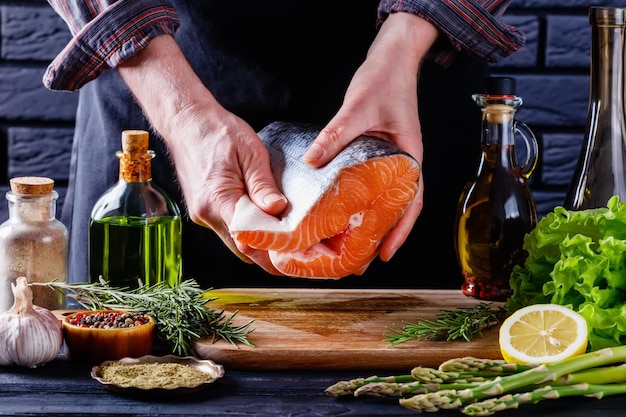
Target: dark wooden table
x,y
66,389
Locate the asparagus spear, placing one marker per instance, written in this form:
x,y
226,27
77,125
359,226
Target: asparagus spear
x,y
435,376
492,405
472,364
343,388
401,389
602,375
595,376
447,399
429,377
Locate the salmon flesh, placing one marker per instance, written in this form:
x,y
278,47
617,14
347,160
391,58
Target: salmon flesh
x,y
338,214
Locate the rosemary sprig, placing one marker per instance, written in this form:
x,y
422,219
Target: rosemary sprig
x,y
460,323
181,312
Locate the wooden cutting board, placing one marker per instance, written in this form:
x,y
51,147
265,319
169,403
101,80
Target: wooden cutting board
x,y
318,329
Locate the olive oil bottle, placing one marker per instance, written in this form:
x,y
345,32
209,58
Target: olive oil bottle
x,y
135,229
497,209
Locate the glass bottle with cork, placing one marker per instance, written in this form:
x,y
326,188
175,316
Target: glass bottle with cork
x,y
497,209
135,229
33,243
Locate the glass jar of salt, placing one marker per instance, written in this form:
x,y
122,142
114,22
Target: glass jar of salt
x,y
33,243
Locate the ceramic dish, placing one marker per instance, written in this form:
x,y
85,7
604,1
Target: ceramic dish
x,y
95,345
208,367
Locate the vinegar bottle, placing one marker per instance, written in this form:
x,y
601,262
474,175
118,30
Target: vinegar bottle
x,y
497,209
135,229
601,169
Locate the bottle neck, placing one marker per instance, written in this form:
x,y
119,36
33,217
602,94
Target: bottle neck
x,y
607,66
32,208
135,167
497,125
498,133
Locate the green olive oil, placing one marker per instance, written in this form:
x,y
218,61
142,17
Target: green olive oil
x,y
124,250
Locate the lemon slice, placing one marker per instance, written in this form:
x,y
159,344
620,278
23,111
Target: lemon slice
x,y
543,333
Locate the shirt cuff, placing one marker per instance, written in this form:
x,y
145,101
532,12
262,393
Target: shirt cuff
x,y
472,27
103,43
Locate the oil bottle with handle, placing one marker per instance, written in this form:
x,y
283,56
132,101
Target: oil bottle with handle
x,y
135,229
497,209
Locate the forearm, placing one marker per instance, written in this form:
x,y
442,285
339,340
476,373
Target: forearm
x,y
165,85
405,39
105,33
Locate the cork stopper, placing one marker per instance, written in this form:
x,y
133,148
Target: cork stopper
x,y
135,157
500,113
135,142
31,185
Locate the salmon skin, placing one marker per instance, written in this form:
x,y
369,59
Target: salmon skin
x,y
338,214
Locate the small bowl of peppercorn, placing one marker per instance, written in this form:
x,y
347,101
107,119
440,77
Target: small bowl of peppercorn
x,y
94,336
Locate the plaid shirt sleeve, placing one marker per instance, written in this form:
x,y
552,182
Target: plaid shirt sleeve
x,y
105,33
469,26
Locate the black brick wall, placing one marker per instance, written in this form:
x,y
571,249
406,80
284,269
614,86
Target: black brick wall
x,y
36,124
552,73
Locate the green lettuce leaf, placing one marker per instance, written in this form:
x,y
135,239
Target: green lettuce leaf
x,y
578,259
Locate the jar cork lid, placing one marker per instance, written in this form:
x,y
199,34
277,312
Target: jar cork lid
x,y
31,185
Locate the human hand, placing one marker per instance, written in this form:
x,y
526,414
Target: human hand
x,y
381,101
218,157
216,165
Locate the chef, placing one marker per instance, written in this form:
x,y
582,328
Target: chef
x,y
204,76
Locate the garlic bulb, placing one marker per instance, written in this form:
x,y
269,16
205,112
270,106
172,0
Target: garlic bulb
x,y
29,335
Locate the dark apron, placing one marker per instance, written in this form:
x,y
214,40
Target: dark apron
x,y
292,62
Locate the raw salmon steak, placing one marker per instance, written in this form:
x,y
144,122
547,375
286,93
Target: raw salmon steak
x,y
338,214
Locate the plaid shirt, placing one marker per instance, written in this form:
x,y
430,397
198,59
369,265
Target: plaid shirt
x,y
107,32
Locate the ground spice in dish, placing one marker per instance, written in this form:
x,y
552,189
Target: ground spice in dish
x,y
153,375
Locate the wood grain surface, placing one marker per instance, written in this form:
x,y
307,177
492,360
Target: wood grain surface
x,y
319,329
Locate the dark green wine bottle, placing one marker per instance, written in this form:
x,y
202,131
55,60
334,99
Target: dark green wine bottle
x,y
135,230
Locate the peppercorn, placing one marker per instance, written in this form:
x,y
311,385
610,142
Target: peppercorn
x,y
109,319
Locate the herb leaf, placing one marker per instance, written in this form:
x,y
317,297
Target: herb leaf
x,y
181,313
460,323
